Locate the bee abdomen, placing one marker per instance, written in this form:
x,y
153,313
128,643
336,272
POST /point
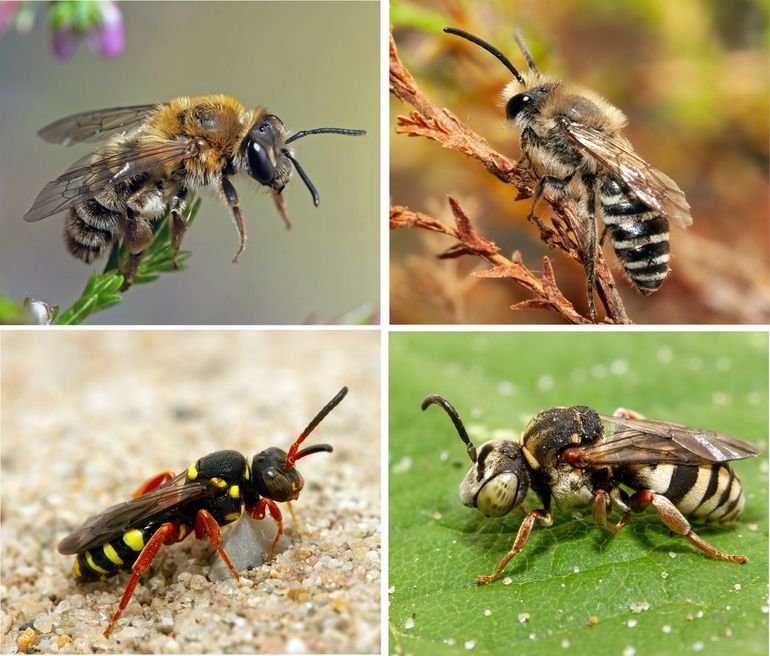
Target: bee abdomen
x,y
708,493
639,236
108,559
89,229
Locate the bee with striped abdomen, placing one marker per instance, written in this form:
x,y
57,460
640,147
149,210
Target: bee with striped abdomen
x,y
167,508
573,140
574,458
154,156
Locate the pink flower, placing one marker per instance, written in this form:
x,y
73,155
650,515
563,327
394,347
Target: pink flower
x,y
108,39
65,43
8,10
101,22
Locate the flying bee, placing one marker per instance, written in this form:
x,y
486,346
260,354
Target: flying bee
x,y
152,158
210,493
573,141
577,458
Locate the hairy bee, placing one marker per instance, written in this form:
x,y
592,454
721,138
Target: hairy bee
x,y
572,139
154,156
575,457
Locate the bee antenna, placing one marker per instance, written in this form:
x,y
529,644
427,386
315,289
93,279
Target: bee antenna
x,y
294,452
489,48
345,131
525,51
450,410
305,179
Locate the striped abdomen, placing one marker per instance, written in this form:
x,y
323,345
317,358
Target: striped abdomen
x,y
639,235
708,493
108,559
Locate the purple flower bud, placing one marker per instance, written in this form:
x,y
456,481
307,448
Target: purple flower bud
x,y
108,39
8,9
65,43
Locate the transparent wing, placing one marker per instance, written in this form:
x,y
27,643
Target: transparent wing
x,y
155,506
643,441
98,171
95,126
654,188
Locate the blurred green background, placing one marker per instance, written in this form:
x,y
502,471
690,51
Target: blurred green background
x,y
314,64
691,75
574,570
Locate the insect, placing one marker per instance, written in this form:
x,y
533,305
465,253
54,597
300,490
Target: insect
x,y
167,508
152,158
573,140
575,458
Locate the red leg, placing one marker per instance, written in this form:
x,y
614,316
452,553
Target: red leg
x,y
518,544
291,511
600,507
671,516
152,483
206,526
258,512
166,534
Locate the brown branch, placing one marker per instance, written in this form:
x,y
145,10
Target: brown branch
x,y
470,242
438,124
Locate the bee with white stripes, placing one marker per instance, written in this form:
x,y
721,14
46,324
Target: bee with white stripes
x,y
575,458
572,139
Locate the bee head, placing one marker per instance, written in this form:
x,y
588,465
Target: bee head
x,y
274,475
522,96
269,159
497,480
557,429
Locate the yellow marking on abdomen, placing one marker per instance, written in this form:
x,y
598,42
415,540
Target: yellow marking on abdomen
x,y
111,554
231,517
134,539
76,569
93,565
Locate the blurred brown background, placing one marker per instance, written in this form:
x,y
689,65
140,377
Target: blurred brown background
x,y
313,64
692,76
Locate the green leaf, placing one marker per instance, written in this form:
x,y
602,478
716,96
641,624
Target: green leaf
x,y
636,583
100,293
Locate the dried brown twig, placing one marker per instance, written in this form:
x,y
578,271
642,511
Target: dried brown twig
x,y
566,234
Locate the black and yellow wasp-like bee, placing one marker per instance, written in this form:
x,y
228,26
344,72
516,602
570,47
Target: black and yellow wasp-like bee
x,y
211,493
152,158
576,458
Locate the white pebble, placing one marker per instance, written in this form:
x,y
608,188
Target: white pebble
x,y
575,569
671,554
523,617
470,644
507,580
487,612
296,646
631,624
391,589
737,586
409,624
666,628
664,575
629,651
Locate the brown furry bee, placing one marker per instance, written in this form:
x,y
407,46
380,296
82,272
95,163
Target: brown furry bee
x,y
153,157
575,458
572,139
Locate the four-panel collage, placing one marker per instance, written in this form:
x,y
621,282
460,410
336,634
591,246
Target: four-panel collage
x,y
363,327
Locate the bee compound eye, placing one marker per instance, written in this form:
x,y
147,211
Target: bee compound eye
x,y
260,166
516,104
499,495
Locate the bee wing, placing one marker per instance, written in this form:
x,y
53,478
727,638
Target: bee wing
x,y
644,441
98,171
94,126
154,506
651,186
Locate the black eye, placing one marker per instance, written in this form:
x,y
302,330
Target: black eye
x,y
516,104
260,166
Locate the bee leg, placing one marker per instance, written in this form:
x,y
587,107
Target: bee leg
x,y
671,516
280,203
231,196
518,544
166,534
137,235
258,512
558,185
590,256
625,413
206,526
599,512
291,511
152,483
177,223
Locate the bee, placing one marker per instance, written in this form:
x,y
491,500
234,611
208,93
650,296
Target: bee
x,y
572,139
152,158
209,494
577,458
